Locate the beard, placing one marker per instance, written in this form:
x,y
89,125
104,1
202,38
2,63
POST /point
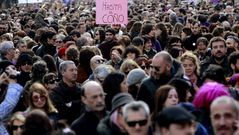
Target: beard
x,y
219,58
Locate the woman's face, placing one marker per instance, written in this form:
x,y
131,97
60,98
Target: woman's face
x,y
148,45
131,55
17,126
97,35
189,67
38,100
123,86
152,32
172,98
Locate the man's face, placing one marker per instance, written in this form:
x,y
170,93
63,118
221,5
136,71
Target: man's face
x,y
94,98
196,29
82,29
180,129
218,50
3,29
160,68
231,43
116,27
137,123
201,48
223,118
70,74
109,36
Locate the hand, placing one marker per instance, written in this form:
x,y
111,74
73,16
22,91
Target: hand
x,y
236,125
11,73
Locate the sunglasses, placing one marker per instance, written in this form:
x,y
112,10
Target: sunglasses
x,y
52,82
140,122
155,68
15,127
37,98
100,61
144,67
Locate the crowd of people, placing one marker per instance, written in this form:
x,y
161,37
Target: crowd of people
x,y
173,69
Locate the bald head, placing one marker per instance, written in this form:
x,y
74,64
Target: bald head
x,y
93,96
164,55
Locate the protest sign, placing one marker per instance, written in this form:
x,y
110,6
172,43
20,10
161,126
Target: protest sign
x,y
111,11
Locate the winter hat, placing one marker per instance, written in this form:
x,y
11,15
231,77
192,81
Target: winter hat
x,y
136,76
119,100
167,116
110,30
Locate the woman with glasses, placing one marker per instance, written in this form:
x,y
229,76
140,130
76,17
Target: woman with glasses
x,y
144,63
49,80
16,123
39,99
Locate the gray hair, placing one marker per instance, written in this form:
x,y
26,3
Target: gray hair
x,y
64,64
227,100
135,106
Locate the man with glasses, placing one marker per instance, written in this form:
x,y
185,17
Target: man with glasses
x,y
93,97
109,43
95,61
136,115
163,69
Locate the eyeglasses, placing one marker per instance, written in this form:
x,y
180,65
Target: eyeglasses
x,y
100,61
15,127
37,98
155,68
140,122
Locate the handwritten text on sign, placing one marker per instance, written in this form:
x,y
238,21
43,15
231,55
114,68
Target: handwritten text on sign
x,y
111,12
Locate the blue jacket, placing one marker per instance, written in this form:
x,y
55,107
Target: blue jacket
x,y
13,93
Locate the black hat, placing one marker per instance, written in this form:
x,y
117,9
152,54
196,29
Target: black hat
x,y
111,31
174,115
119,100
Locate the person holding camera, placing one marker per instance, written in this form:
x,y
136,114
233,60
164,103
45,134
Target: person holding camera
x,y
14,91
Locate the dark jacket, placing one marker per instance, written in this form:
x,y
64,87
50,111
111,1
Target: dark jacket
x,y
67,101
46,49
149,86
190,42
87,123
211,60
105,48
106,127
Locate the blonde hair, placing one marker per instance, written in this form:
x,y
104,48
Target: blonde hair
x,y
39,88
128,64
189,55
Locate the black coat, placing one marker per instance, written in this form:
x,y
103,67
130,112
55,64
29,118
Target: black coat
x,y
106,127
149,86
105,48
87,123
67,101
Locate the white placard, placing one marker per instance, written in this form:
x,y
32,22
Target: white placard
x,y
29,1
